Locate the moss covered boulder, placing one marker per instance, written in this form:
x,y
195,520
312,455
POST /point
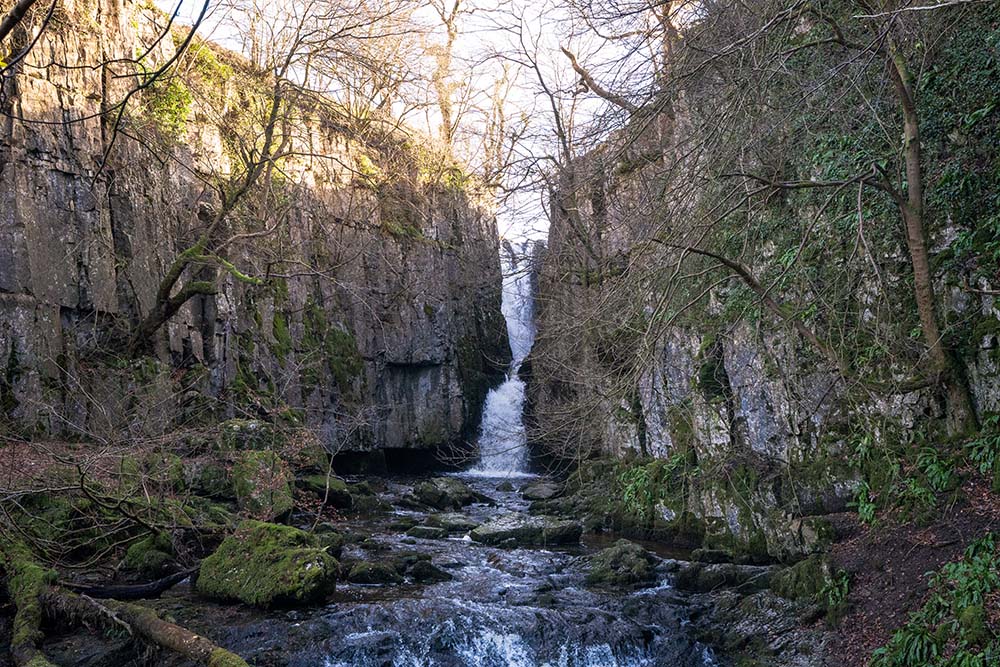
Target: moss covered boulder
x,y
151,556
241,434
452,522
263,485
622,564
446,493
374,573
334,490
522,529
264,564
804,580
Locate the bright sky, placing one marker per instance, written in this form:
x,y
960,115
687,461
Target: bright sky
x,y
536,25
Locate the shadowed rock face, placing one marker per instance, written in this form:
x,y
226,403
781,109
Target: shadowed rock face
x,y
399,334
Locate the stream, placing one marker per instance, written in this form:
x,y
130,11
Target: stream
x,y
502,607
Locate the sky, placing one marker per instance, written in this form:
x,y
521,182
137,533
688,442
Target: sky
x,y
536,23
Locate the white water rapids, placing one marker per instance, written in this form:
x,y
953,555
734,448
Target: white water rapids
x,y
503,440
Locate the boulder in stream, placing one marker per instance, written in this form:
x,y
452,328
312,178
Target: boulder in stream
x,y
446,493
335,490
541,489
518,529
264,564
427,532
622,564
452,522
373,573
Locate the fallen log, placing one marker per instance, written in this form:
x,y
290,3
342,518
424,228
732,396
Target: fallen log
x,y
140,622
34,596
152,589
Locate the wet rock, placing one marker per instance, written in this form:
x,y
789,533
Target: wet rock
x,y
369,505
424,572
264,564
623,564
541,490
213,480
445,493
706,577
711,556
373,573
335,490
452,522
403,523
505,487
332,541
404,560
262,482
427,532
804,580
517,529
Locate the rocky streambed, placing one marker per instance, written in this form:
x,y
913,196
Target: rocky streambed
x,y
456,572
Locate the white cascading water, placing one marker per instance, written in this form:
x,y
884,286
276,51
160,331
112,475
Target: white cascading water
x,y
503,440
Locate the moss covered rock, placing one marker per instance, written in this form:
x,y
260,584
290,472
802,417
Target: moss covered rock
x,y
452,522
623,564
446,493
804,580
373,573
427,532
335,490
424,572
242,434
213,480
150,556
522,529
264,564
263,485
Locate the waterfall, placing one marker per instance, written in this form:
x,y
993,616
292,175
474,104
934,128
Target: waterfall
x,y
503,440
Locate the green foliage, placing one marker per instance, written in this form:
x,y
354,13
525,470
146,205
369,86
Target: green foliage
x,y
951,629
983,449
331,346
283,339
865,504
168,103
644,486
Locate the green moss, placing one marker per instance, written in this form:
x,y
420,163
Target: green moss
x,y
373,573
151,555
8,379
264,564
26,580
262,482
623,564
283,339
332,345
803,581
244,434
333,489
168,103
222,658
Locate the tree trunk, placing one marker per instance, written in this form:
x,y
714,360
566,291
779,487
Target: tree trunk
x,y
946,368
138,621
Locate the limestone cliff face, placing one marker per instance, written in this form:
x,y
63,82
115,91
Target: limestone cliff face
x,y
771,431
377,318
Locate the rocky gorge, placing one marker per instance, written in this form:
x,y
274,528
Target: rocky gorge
x,y
287,382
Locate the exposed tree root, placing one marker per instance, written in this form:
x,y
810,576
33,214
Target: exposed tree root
x,y
32,592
